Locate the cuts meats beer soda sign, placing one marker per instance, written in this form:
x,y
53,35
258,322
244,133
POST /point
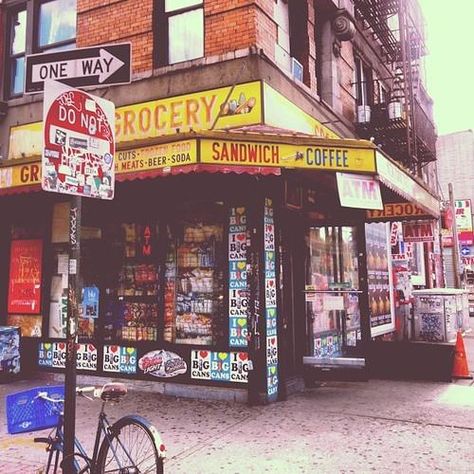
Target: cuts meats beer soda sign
x,y
78,143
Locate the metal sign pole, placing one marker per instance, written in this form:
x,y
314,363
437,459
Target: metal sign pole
x,y
74,298
456,259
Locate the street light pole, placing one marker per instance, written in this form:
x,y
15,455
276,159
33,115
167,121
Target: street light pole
x,y
456,269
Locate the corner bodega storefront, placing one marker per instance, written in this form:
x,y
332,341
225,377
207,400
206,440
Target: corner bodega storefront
x,y
216,251
180,275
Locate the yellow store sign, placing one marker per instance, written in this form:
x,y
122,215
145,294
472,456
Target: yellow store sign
x,y
287,156
20,175
166,155
227,106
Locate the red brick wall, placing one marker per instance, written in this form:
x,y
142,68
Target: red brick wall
x,y
116,21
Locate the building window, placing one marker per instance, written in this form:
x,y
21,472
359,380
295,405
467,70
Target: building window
x,y
17,51
364,90
36,27
57,25
180,30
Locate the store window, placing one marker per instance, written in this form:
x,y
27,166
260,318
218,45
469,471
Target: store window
x,y
179,34
194,276
36,27
91,264
364,90
332,290
132,287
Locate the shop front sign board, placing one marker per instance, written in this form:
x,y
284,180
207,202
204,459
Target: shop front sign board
x,y
78,143
328,156
156,157
397,211
103,65
358,191
463,212
419,231
403,184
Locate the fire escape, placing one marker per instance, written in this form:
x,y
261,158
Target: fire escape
x,y
403,124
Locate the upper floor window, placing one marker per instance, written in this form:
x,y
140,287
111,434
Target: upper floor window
x,y
364,88
180,31
16,57
35,27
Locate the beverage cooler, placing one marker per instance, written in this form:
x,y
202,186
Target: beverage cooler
x,y
440,313
9,351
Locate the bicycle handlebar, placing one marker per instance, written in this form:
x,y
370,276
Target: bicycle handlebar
x,y
110,391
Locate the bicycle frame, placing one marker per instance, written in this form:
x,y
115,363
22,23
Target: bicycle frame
x,y
57,445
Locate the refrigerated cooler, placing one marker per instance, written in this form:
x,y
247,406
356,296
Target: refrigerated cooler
x,y
439,313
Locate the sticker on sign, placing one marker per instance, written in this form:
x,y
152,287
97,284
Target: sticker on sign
x,y
78,143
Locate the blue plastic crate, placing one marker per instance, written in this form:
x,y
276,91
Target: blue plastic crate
x,y
26,412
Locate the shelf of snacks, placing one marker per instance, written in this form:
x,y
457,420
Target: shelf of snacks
x,y
194,284
132,307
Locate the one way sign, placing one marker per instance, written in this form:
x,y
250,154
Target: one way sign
x,y
96,66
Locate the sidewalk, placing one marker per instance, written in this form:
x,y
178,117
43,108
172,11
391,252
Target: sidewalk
x,y
380,426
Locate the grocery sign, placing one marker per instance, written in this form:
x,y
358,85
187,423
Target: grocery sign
x,y
78,143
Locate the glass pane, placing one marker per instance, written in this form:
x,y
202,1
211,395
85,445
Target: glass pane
x,y
173,5
18,76
18,29
132,293
57,21
186,36
331,273
194,279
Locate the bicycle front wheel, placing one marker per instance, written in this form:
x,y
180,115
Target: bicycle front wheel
x,y
131,449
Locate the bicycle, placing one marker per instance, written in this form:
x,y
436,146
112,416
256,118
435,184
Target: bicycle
x,y
131,445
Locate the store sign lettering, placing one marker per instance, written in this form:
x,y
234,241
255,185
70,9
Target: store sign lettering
x,y
418,232
400,209
238,291
287,156
271,312
120,359
219,366
154,157
156,117
357,191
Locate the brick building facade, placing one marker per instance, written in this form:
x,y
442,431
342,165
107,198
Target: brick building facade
x,y
267,103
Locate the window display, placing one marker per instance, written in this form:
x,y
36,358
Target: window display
x,y
332,290
131,303
379,278
194,275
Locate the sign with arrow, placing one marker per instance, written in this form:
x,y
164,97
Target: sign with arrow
x,y
102,65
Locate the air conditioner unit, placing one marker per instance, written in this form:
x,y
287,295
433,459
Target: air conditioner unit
x,y
296,70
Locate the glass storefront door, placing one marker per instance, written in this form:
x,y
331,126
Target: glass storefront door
x,y
332,291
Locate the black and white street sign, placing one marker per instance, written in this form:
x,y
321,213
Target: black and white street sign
x,y
96,66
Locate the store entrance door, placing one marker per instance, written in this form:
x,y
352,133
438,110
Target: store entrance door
x,y
332,298
292,285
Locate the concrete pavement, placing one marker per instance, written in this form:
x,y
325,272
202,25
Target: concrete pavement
x,y
375,426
